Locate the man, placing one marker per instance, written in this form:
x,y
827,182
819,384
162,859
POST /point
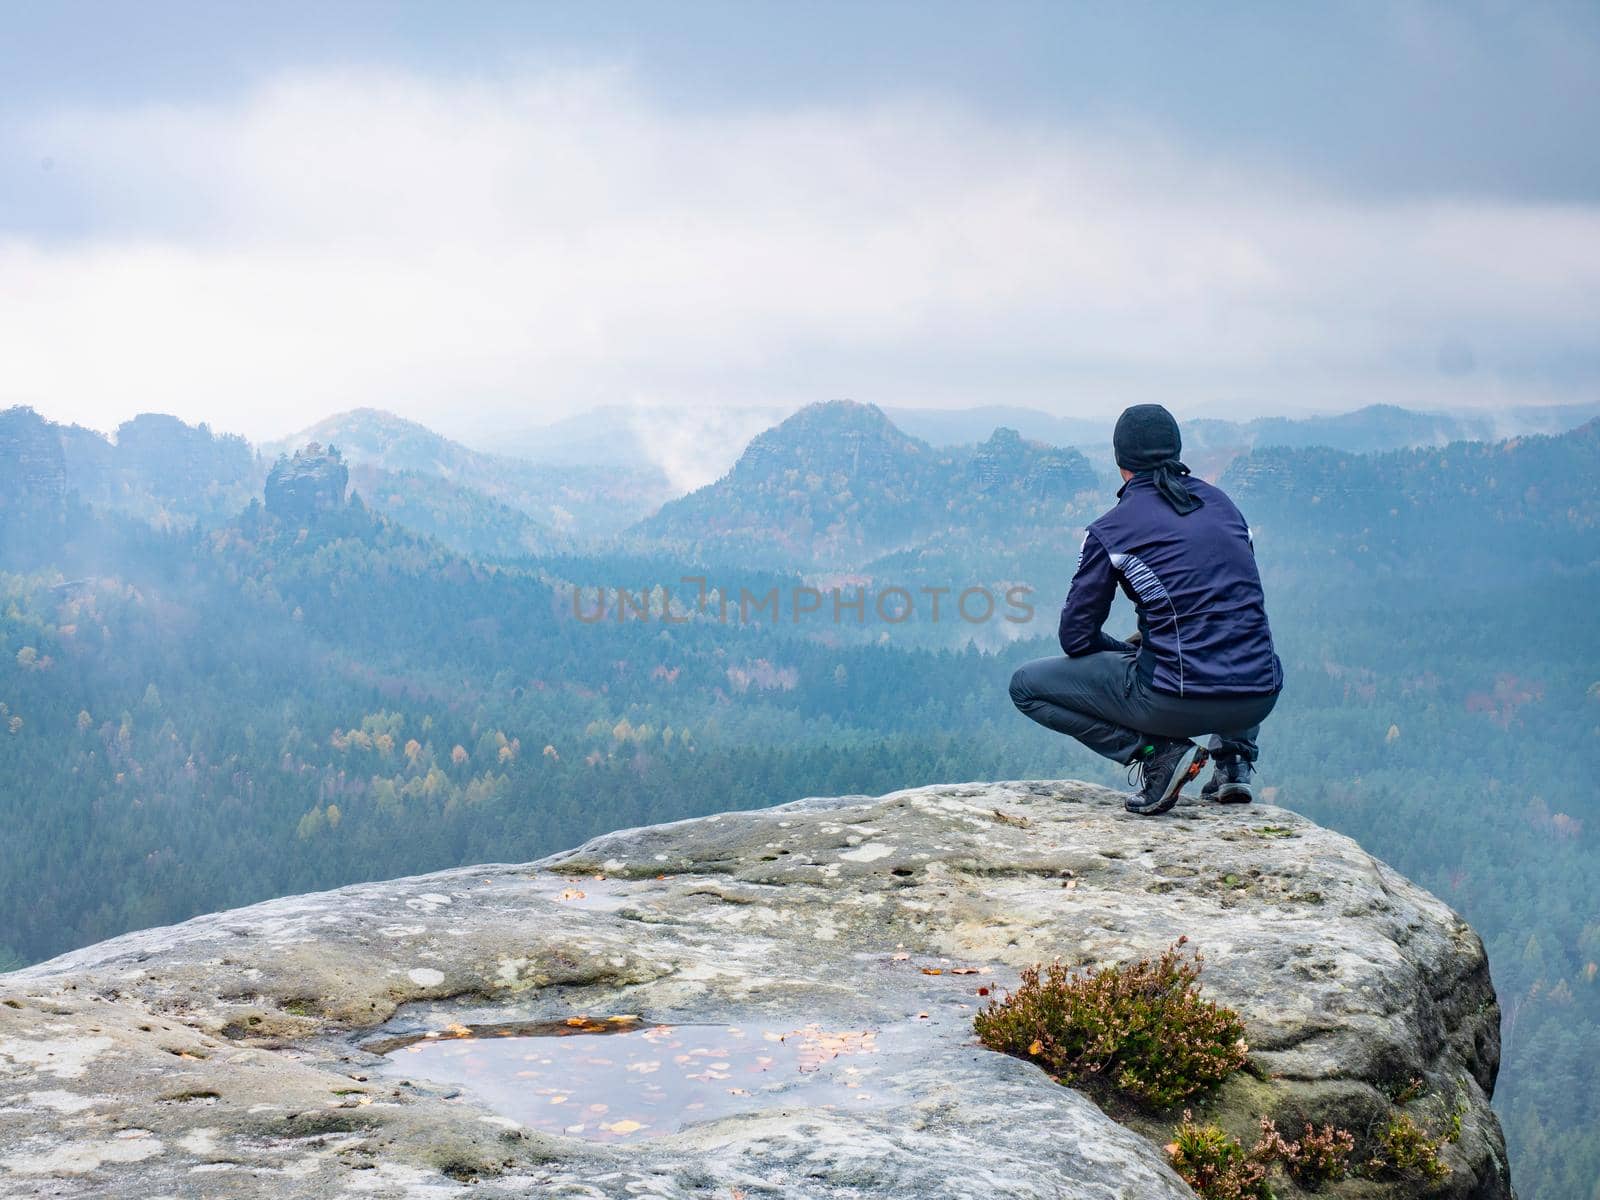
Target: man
x,y
1204,661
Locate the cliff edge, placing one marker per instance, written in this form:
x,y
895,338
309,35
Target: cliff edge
x,y
264,1051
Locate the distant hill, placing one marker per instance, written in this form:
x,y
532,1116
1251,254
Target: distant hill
x,y
462,518
1210,443
838,484
370,435
1473,512
963,426
569,500
157,467
694,444
1540,479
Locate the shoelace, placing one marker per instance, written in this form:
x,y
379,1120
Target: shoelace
x,y
1136,773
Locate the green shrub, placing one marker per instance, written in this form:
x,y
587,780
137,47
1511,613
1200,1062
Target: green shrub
x,y
1216,1166
1408,1150
1140,1028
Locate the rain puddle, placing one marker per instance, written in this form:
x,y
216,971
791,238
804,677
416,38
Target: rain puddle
x,y
620,1079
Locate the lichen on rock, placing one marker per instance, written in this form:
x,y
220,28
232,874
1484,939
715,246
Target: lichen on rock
x,y
229,1050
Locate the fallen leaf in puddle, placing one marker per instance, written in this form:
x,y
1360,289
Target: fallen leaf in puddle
x,y
558,1099
645,1068
963,970
570,894
933,970
900,957
622,1127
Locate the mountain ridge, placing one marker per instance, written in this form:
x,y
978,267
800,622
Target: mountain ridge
x,y
839,484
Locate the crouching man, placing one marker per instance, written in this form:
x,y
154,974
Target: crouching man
x,y
1203,663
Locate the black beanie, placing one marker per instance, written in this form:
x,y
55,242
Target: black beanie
x,y
1147,440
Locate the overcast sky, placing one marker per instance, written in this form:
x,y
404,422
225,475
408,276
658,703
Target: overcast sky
x,y
491,215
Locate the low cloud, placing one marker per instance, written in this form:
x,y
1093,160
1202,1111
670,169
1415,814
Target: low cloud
x,y
522,250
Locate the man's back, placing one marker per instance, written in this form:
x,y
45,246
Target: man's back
x,y
1180,549
1194,579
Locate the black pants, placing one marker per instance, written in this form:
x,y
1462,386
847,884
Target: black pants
x,y
1100,700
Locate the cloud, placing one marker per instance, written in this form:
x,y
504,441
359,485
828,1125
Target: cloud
x,y
480,255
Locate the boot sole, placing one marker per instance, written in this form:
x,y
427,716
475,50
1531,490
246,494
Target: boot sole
x,y
1234,794
1181,777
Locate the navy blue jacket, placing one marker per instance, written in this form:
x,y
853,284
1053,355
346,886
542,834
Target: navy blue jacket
x,y
1194,581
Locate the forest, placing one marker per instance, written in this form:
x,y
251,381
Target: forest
x,y
205,703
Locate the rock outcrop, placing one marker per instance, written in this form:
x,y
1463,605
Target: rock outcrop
x,y
234,1055
307,483
1008,461
181,461
32,467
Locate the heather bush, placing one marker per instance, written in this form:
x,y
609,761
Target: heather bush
x,y
1408,1150
1140,1029
1320,1156
1216,1166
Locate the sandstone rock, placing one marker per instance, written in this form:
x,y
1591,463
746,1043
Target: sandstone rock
x,y
1036,471
224,1056
309,482
32,467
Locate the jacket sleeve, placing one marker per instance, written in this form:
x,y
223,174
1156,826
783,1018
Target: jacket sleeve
x,y
1088,603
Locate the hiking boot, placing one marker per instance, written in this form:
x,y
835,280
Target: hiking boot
x,y
1229,782
1161,768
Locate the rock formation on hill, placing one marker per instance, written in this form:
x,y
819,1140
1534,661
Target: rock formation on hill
x,y
158,468
181,461
32,468
1008,461
235,1055
309,482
